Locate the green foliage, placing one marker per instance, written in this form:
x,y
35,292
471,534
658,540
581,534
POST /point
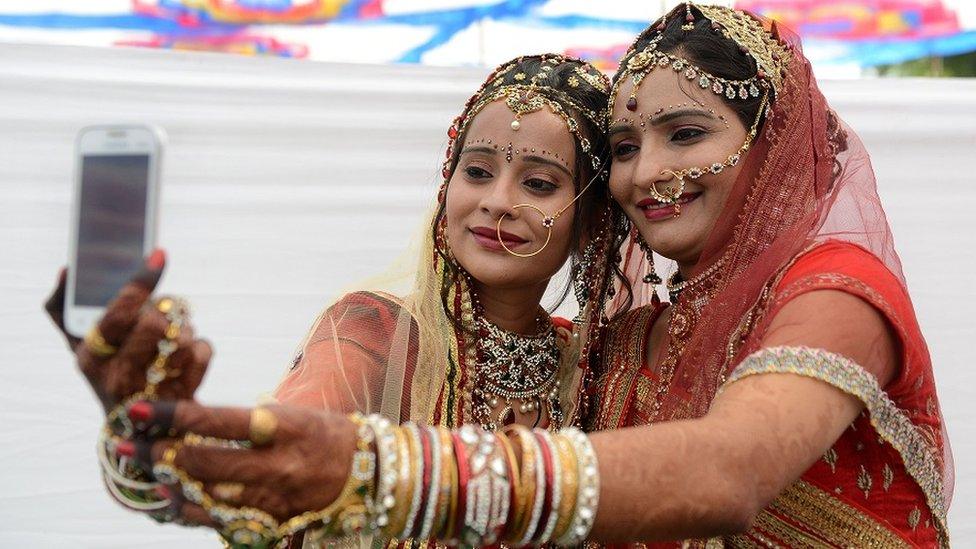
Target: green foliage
x,y
955,66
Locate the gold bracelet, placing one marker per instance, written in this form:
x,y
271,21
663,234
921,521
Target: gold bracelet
x,y
516,479
570,478
447,503
404,486
527,477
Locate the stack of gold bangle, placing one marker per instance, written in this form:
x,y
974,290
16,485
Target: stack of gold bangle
x,y
517,487
470,487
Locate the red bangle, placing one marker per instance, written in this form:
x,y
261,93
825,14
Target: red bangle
x,y
463,475
547,502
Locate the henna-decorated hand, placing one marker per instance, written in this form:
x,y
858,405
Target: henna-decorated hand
x,y
135,329
303,468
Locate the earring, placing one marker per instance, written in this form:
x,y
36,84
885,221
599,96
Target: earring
x,y
651,277
580,283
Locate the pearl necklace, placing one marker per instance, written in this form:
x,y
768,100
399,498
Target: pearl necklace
x,y
675,287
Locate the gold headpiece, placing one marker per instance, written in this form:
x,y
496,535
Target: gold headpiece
x,y
771,57
524,94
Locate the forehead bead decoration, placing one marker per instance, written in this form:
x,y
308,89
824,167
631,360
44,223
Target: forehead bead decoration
x,y
689,18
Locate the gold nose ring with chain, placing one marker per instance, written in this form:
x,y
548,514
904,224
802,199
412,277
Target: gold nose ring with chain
x,y
548,221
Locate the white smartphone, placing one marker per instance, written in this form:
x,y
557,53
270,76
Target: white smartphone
x,y
114,216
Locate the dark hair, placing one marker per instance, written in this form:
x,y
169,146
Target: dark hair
x,y
597,198
705,46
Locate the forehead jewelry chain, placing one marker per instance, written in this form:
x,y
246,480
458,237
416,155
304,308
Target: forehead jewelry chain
x,y
548,221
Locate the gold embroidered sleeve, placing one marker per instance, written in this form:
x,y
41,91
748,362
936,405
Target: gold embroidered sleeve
x,y
891,423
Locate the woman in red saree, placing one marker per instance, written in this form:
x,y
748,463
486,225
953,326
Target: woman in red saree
x,y
785,398
801,232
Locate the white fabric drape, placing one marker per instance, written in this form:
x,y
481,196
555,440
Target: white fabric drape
x,y
284,181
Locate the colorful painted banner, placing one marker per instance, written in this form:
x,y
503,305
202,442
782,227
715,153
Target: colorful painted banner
x,y
864,33
859,20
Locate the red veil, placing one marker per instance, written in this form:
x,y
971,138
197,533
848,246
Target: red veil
x,y
806,181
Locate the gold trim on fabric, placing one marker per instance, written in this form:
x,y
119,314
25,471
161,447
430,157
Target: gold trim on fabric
x,y
891,423
806,516
625,346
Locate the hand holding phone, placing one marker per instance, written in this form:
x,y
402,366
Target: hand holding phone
x,y
113,270
114,217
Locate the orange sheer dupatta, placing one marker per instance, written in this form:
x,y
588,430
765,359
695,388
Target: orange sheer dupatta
x,y
344,364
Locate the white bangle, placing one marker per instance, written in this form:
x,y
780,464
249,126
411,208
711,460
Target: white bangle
x,y
588,496
386,459
418,484
433,491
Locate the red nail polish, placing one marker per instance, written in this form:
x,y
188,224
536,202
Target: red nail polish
x,y
157,259
125,449
140,411
162,491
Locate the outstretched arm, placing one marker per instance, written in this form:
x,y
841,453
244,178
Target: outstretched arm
x,y
684,479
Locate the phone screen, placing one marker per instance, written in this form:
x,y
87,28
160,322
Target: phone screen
x,y
112,225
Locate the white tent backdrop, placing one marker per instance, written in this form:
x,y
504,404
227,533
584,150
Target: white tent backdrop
x,y
285,180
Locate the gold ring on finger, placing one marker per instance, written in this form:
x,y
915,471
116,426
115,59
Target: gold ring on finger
x,y
97,344
262,426
173,306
